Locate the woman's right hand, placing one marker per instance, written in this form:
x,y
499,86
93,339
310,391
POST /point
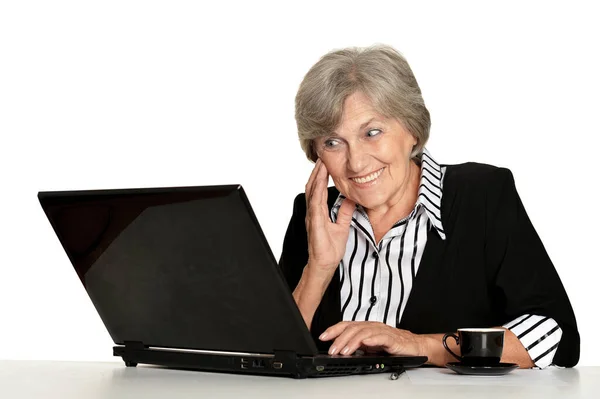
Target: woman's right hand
x,y
326,240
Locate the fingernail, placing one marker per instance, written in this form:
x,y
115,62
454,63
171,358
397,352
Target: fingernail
x,y
323,336
332,350
346,350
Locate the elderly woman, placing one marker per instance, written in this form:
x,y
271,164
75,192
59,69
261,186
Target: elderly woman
x,y
403,248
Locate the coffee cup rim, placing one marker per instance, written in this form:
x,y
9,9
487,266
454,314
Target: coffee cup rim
x,y
481,329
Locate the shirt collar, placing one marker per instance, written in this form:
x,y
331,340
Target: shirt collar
x,y
430,193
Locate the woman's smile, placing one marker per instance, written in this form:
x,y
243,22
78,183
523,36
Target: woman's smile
x,y
367,180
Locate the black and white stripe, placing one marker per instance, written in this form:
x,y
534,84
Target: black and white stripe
x,y
376,278
539,335
430,190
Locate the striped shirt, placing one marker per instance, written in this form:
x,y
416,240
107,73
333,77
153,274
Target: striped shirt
x,y
376,277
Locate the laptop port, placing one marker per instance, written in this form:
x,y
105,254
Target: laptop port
x,y
258,364
277,365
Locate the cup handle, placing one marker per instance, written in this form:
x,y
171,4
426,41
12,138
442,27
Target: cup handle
x,y
446,336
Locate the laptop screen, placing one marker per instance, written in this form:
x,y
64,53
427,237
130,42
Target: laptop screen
x,y
184,267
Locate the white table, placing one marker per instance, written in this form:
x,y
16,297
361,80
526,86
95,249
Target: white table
x,y
90,380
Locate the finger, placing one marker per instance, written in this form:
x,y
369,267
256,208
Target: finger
x,y
356,341
319,190
385,341
324,192
309,185
333,331
349,333
345,212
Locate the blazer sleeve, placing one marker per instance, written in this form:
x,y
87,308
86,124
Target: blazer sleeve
x,y
294,254
525,279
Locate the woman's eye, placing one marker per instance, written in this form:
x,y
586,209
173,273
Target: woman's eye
x,y
331,143
373,132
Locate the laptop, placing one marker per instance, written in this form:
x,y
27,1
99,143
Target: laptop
x,y
183,277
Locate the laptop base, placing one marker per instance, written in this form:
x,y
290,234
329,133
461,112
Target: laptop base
x,y
282,363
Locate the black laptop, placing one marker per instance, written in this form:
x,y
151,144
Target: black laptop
x,y
184,278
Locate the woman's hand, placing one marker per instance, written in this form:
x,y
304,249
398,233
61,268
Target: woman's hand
x,y
349,336
326,240
326,243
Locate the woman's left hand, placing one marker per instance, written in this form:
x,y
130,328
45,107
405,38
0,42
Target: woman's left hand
x,y
349,336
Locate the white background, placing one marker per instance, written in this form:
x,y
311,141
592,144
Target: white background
x,y
114,94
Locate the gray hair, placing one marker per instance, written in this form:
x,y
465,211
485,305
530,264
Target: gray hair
x,y
380,72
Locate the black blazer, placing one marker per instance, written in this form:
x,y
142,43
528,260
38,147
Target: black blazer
x,y
491,269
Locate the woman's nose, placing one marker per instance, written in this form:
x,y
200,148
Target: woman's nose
x,y
357,159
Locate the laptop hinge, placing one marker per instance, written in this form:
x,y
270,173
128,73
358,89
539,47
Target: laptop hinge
x,y
285,356
135,345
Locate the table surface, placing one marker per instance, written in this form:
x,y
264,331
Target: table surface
x,y
90,380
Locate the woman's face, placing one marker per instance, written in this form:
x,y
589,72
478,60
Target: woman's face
x,y
368,155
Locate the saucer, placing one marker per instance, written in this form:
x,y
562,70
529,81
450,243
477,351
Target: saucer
x,y
497,369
